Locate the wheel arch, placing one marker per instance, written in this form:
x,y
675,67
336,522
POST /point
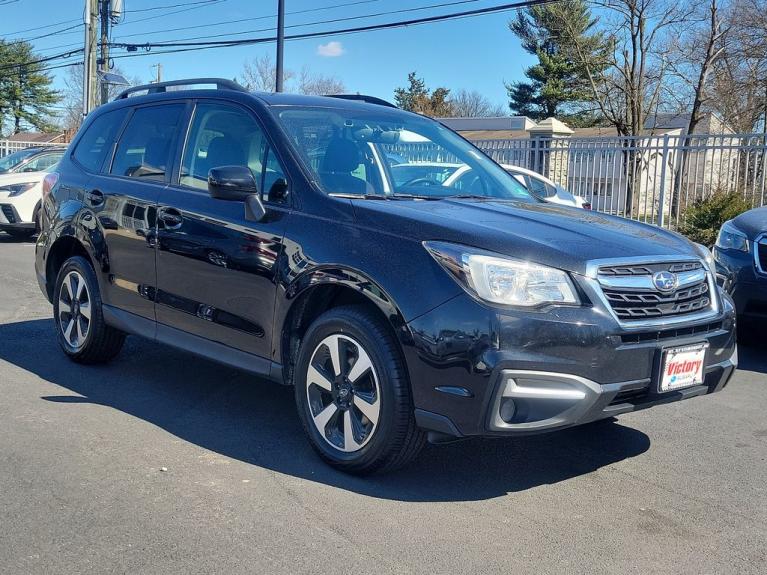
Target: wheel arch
x,y
62,249
320,290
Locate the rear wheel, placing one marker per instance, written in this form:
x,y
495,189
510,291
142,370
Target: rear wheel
x,y
80,327
353,394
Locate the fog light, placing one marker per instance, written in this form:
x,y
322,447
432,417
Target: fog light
x,y
508,409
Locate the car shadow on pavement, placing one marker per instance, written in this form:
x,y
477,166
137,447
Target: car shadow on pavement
x,y
752,358
236,415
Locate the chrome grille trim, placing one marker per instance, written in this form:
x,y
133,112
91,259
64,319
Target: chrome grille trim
x,y
644,282
694,268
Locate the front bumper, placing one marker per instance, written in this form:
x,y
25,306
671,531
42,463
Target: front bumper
x,y
529,402
15,214
464,353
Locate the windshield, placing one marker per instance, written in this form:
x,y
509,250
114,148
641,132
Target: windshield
x,y
391,154
11,161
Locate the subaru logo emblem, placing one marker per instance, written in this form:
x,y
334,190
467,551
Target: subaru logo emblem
x,y
665,281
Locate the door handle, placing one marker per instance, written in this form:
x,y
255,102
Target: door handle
x,y
171,218
95,198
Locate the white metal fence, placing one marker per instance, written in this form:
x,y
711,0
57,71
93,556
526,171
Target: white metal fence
x,y
11,146
649,178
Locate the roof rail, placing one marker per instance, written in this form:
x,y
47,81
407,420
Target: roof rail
x,y
161,87
363,98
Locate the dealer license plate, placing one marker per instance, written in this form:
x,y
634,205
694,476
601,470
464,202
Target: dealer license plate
x,y
683,367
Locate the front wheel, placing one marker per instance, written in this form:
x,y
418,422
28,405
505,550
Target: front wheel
x,y
353,393
80,326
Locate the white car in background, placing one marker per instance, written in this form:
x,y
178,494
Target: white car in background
x,y
20,200
542,187
459,176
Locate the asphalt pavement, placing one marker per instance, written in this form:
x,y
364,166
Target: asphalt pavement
x,y
161,462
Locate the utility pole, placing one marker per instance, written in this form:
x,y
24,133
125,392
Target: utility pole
x,y
159,72
103,61
90,80
280,43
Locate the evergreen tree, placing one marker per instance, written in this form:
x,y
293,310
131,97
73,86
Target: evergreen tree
x,y
557,85
26,95
416,97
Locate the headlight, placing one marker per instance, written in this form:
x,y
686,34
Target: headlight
x,y
497,279
731,238
18,189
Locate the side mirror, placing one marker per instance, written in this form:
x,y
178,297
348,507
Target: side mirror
x,y
236,183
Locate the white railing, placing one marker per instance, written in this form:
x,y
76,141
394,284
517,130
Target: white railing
x,y
649,178
11,146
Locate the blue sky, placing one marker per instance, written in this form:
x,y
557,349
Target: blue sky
x,y
473,53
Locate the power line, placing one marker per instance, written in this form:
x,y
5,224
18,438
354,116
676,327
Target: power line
x,y
61,32
61,23
333,20
187,5
339,32
254,19
155,17
43,27
21,65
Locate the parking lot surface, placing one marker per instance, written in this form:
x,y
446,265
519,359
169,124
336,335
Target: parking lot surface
x,y
161,462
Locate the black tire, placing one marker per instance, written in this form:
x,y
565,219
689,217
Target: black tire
x,y
395,439
38,218
100,343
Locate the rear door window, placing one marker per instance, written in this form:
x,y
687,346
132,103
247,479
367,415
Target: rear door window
x,y
96,142
145,150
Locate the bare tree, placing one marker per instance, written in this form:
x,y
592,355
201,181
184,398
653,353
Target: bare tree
x,y
698,55
319,84
72,116
260,75
739,78
628,76
692,58
473,104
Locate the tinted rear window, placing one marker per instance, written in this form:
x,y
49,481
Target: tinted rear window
x,y
96,142
145,147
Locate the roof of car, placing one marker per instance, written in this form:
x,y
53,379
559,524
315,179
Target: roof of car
x,y
286,99
205,87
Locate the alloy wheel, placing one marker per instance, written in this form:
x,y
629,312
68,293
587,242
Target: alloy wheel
x,y
74,310
343,393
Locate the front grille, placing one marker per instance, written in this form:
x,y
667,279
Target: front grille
x,y
761,255
632,295
8,213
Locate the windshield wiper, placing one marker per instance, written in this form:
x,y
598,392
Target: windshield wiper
x,y
385,197
358,196
468,197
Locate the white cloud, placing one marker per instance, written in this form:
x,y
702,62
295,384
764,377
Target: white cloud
x,y
331,49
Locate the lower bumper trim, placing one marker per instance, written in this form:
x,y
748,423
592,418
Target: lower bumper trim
x,y
563,400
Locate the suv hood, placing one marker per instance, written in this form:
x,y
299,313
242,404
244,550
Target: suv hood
x,y
558,236
752,222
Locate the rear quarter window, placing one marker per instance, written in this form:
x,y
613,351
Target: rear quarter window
x,y
97,140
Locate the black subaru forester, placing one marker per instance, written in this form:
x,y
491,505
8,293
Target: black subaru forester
x,y
275,233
